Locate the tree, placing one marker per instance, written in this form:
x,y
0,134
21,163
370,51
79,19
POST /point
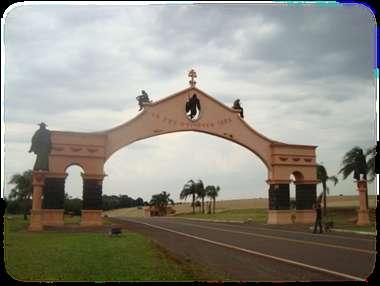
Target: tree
x,y
201,193
351,161
23,190
139,201
189,189
161,201
72,205
212,193
324,178
371,169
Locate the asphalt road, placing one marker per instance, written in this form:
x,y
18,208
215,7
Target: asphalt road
x,y
262,253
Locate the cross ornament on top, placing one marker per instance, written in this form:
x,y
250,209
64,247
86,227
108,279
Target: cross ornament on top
x,y
193,75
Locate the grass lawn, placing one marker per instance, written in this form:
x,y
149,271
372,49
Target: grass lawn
x,y
59,256
342,217
76,220
256,215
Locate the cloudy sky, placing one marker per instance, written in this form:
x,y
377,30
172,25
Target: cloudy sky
x,y
304,74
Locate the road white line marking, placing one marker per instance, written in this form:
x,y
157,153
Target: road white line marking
x,y
283,238
253,252
279,230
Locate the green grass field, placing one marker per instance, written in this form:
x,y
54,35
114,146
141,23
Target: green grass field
x,y
76,220
256,215
59,256
342,217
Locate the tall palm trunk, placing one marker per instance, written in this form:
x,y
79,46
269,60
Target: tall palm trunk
x,y
203,205
366,194
213,206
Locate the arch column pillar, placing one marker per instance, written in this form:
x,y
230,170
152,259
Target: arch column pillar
x,y
38,181
53,202
306,196
92,199
279,202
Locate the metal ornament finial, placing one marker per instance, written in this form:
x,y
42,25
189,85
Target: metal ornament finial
x,y
193,75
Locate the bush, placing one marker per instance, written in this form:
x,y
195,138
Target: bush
x,y
73,206
18,206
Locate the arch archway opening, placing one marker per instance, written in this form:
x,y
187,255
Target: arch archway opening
x,y
295,178
73,200
175,158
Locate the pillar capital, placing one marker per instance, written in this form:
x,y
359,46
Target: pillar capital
x,y
99,177
39,178
277,182
307,182
57,175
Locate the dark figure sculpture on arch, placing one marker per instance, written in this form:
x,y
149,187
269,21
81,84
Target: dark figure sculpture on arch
x,y
193,106
41,146
237,106
143,98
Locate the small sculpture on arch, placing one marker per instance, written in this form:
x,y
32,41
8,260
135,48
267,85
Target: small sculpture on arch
x,y
237,106
143,98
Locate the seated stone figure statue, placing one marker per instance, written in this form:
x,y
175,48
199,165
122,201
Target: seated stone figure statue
x,y
238,106
143,98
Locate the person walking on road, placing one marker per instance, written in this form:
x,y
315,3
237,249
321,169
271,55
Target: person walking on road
x,y
318,219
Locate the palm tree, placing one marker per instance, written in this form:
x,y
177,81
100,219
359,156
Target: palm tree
x,y
212,193
201,193
324,178
161,201
351,161
371,153
23,190
189,189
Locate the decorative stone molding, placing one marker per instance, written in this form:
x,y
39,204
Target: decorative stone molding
x,y
75,149
99,177
39,178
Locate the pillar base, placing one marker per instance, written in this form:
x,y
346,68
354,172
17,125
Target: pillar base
x,y
35,220
305,216
279,217
91,218
363,217
52,217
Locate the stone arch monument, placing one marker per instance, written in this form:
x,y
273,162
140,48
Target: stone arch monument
x,y
91,150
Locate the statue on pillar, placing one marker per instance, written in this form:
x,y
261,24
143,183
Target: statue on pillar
x,y
360,167
41,146
237,106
